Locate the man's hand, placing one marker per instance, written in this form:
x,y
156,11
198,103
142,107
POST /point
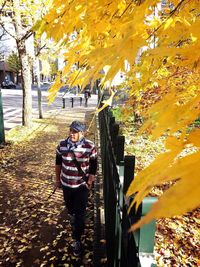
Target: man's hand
x,y
90,181
57,184
89,186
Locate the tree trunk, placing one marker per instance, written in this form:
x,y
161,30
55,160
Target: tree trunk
x,y
26,87
26,66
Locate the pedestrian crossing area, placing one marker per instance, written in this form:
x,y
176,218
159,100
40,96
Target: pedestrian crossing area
x,y
12,117
9,113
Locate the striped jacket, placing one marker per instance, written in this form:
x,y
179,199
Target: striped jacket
x,y
85,153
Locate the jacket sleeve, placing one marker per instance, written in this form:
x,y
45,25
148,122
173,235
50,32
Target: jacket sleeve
x,y
58,156
93,166
93,161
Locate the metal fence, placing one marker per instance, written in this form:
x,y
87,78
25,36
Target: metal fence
x,y
123,248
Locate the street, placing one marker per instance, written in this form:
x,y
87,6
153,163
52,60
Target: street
x,y
12,105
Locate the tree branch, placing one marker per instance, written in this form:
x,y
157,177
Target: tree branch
x,y
2,25
126,9
4,3
27,34
170,15
39,50
2,34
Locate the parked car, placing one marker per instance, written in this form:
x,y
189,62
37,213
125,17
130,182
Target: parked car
x,y
8,84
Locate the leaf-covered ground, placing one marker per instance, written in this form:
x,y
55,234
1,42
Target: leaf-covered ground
x,y
34,228
177,240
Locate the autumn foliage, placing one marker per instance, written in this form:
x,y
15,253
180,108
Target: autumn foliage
x,y
157,48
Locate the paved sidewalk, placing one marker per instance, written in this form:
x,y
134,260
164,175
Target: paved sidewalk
x,y
35,230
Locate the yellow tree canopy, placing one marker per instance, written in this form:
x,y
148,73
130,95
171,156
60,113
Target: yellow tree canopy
x,y
160,44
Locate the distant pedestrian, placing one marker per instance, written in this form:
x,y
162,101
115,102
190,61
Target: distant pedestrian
x,y
76,165
87,95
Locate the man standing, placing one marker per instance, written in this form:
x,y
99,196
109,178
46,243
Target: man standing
x,y
86,95
76,165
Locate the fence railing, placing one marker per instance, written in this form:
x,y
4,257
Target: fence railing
x,y
123,248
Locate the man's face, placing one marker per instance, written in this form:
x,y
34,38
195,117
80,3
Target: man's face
x,y
74,135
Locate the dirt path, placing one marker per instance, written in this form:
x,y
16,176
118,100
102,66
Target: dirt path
x,y
34,229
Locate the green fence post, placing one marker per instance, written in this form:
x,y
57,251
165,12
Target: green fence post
x,y
129,167
2,132
147,231
119,149
144,237
114,133
119,209
129,242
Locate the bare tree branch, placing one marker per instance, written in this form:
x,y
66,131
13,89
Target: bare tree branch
x,y
39,50
27,34
4,28
2,34
4,3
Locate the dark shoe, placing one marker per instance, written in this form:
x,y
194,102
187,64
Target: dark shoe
x,y
76,248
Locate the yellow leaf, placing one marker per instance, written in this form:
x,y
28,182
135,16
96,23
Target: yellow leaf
x,y
23,240
168,114
155,173
194,137
107,102
44,248
121,6
181,197
168,23
23,249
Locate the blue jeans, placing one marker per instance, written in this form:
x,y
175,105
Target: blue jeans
x,y
76,202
